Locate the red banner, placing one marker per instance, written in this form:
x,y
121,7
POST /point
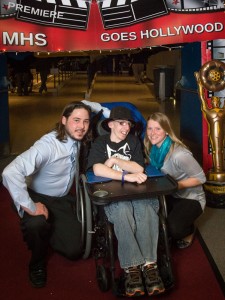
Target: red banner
x,y
73,25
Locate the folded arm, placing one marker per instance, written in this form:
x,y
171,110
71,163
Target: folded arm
x,y
135,171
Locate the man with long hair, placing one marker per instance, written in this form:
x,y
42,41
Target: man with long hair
x,y
45,204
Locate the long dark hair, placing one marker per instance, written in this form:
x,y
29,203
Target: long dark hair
x,y
67,111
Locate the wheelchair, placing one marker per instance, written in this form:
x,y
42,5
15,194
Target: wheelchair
x,y
98,239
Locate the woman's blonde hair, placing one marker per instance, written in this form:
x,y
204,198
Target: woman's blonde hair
x,y
165,123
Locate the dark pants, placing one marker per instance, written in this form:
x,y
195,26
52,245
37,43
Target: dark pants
x,y
22,82
182,214
44,77
62,230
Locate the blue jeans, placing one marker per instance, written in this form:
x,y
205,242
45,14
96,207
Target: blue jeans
x,y
136,226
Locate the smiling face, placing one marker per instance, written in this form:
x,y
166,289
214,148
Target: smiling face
x,y
155,133
119,130
77,124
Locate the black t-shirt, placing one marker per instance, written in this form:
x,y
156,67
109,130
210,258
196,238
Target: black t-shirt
x,y
128,149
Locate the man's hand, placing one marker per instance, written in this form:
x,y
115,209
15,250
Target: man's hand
x,y
136,177
41,209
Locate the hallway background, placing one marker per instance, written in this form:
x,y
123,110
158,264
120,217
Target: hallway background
x,y
34,115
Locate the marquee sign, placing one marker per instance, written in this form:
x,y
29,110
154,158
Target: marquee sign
x,y
53,25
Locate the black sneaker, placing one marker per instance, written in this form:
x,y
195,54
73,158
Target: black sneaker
x,y
38,276
153,282
133,283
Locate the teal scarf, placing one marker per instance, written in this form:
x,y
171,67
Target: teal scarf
x,y
158,154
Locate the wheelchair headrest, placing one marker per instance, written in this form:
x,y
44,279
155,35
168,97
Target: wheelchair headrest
x,y
100,129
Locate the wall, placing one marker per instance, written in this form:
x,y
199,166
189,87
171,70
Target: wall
x,y
190,108
171,58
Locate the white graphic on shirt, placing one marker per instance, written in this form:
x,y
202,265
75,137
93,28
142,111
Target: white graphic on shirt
x,y
122,153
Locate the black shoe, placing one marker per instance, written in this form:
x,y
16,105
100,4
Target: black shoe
x,y
38,276
153,282
186,242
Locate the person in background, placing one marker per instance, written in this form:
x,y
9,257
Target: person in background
x,y
167,153
118,155
43,66
22,74
93,67
138,62
39,182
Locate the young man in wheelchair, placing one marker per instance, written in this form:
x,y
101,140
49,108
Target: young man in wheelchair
x,y
118,155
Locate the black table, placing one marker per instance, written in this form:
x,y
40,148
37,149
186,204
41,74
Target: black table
x,y
102,193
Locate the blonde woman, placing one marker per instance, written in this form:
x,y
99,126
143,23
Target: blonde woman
x,y
167,153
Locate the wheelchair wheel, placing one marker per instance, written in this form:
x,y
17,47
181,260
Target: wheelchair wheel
x,y
102,278
85,217
164,256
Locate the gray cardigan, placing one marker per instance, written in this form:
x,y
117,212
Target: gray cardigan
x,y
181,164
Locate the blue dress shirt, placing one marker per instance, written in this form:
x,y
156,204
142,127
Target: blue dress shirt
x,y
46,168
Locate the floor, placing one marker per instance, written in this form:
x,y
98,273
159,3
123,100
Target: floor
x,y
34,115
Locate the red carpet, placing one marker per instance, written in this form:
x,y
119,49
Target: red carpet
x,y
195,279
